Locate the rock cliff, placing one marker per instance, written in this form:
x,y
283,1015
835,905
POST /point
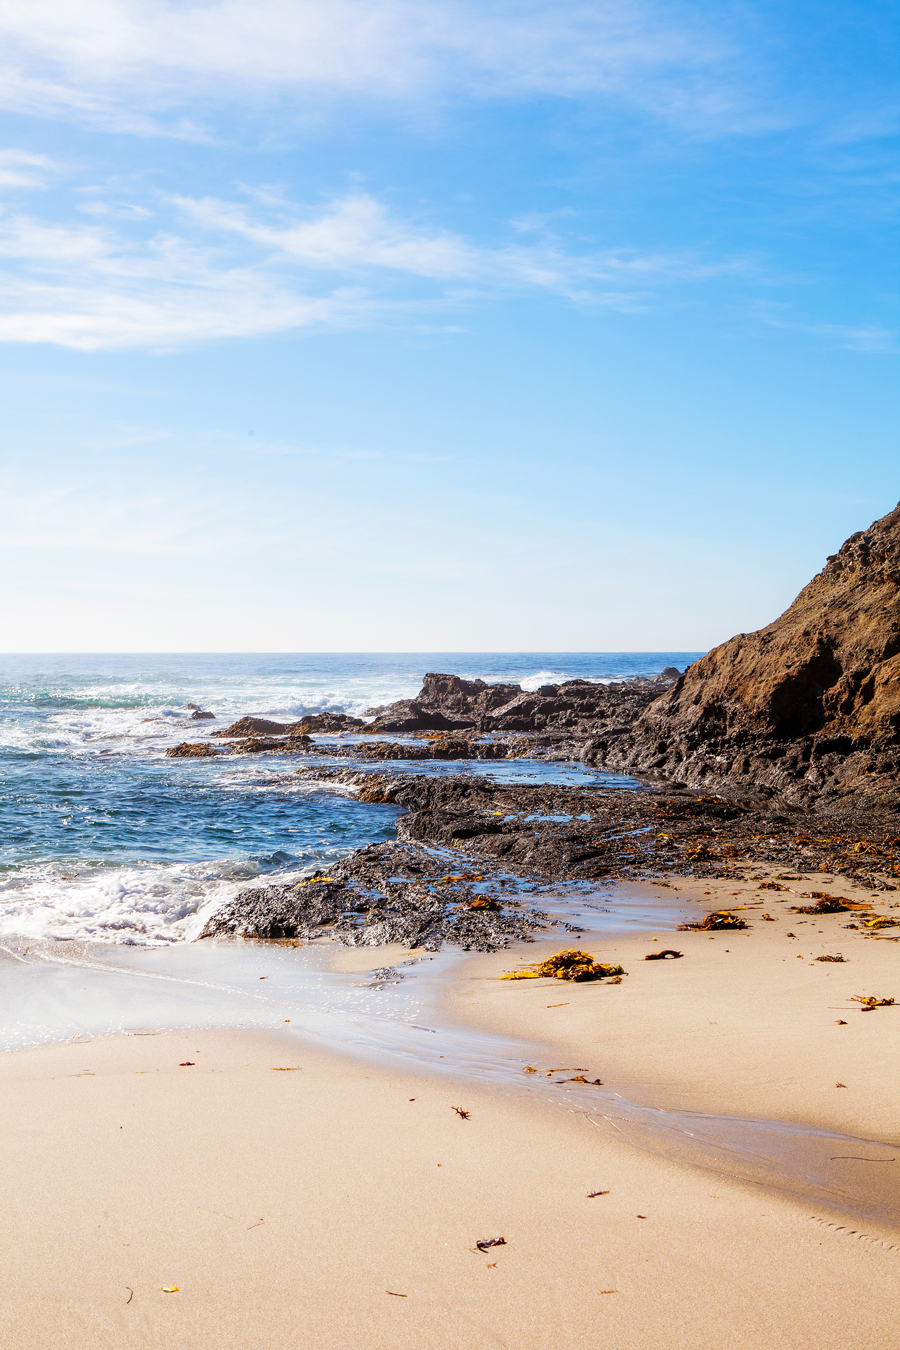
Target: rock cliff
x,y
808,706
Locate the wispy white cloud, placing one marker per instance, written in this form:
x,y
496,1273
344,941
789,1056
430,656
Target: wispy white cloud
x,y
128,59
858,337
869,336
22,169
228,272
357,233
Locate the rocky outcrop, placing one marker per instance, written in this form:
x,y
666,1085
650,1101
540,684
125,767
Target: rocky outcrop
x,y
592,833
199,714
384,893
317,724
809,705
279,911
324,724
253,726
192,750
575,707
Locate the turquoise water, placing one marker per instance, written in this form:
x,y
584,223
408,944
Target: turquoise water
x,y
103,838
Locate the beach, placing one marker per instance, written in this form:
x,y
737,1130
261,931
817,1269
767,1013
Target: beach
x,y
297,1197
310,1141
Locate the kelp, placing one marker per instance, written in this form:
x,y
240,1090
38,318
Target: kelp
x,y
827,904
720,918
566,965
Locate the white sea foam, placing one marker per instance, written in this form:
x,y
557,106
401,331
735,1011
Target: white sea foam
x,y
142,905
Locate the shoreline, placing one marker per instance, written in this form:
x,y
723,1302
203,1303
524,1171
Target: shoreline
x,y
133,1160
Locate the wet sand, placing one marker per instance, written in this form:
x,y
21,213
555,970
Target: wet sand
x,y
295,1197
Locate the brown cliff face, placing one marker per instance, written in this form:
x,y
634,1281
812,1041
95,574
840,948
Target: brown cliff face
x,y
810,703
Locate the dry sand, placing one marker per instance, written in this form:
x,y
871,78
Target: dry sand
x,y
286,1205
745,1023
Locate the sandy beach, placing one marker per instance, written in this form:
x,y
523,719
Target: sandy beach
x,y
299,1199
748,1022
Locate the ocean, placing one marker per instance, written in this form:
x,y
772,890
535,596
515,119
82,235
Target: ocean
x,y
113,856
102,838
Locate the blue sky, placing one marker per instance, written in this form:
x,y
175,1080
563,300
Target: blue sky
x,y
414,325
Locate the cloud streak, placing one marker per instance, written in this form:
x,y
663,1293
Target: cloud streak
x,y
22,169
227,272
129,59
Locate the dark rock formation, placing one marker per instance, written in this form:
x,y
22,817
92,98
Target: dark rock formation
x,y
320,724
279,911
809,705
384,893
436,746
576,707
200,715
324,724
255,745
412,715
560,833
564,721
192,750
254,726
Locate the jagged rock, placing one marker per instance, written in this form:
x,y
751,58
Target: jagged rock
x,y
412,715
324,724
441,747
255,745
199,715
382,893
318,724
580,707
808,705
254,726
278,911
565,833
192,750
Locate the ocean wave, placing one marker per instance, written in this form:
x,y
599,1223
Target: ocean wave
x,y
144,905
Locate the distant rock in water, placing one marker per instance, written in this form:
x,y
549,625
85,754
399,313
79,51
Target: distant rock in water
x,y
576,707
808,705
254,726
318,724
